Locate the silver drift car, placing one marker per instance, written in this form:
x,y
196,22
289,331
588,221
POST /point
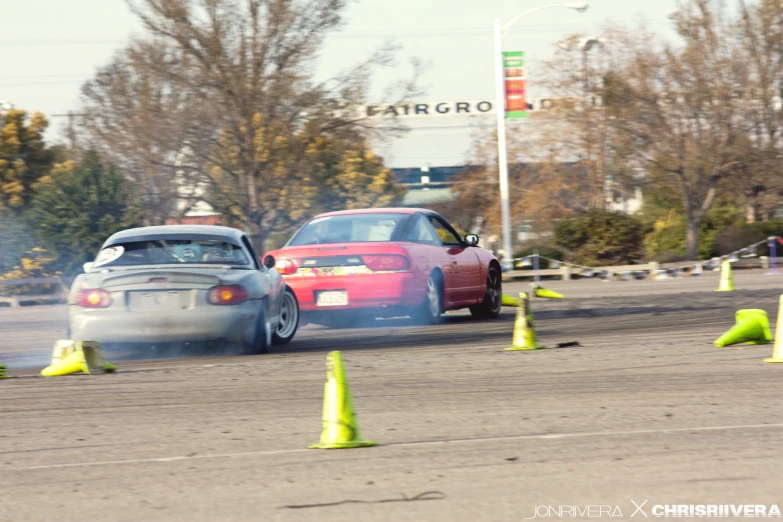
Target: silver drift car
x,y
183,286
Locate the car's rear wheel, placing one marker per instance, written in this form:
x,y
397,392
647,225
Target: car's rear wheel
x,y
493,296
430,310
289,319
259,343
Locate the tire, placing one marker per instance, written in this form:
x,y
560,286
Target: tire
x,y
430,310
289,319
258,345
493,296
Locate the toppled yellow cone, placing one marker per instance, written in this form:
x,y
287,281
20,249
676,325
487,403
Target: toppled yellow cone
x,y
507,300
540,291
71,357
752,327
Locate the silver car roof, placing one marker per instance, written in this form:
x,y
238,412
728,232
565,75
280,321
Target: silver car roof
x,y
197,232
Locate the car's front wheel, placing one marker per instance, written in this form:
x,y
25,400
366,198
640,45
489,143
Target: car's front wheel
x,y
493,296
289,319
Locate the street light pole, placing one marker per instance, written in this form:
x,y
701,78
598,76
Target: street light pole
x,y
500,109
500,104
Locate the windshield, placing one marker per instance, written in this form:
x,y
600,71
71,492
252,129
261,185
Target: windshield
x,y
350,228
171,252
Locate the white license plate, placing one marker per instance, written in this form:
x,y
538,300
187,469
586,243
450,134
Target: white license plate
x,y
159,300
332,298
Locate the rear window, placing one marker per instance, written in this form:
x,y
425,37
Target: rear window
x,y
171,252
350,228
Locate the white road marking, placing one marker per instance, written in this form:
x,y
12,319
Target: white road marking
x,y
587,434
405,444
159,459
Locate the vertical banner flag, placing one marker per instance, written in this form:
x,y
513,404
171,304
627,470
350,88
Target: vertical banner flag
x,y
514,79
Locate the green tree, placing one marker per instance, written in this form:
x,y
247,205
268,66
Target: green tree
x,y
79,206
356,177
24,158
16,237
325,171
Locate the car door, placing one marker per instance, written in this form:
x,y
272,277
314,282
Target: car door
x,y
426,253
466,267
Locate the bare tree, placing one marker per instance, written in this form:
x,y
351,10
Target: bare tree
x,y
140,121
676,108
759,156
251,63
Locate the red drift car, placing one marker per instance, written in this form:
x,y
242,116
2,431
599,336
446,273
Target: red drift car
x,y
387,262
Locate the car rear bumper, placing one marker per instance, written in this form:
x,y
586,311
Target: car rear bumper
x,y
236,324
401,289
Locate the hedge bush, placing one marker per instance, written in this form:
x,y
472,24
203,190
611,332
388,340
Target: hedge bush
x,y
735,238
666,242
601,238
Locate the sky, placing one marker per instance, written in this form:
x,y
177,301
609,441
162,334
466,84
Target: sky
x,y
48,48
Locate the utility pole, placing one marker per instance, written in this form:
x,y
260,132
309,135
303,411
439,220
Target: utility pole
x,y
500,107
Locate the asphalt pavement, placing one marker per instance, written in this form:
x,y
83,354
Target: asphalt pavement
x,y
646,411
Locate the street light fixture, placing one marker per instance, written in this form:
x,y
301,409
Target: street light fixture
x,y
584,45
500,108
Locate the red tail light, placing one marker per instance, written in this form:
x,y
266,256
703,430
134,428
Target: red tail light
x,y
227,295
95,298
387,263
286,266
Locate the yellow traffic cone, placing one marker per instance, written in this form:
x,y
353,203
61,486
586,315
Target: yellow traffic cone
x,y
726,283
61,349
507,300
752,328
73,357
340,427
539,291
777,351
3,369
524,329
96,361
74,362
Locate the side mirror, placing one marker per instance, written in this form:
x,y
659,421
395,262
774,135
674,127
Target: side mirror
x,y
269,262
472,239
87,267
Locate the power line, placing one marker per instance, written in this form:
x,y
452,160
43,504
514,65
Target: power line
x,y
31,42
37,76
33,84
413,33
478,31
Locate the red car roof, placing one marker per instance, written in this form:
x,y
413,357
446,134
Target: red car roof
x,y
374,211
